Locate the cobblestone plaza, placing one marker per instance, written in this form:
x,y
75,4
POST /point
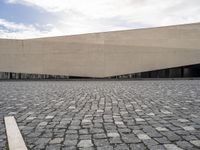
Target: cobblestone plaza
x,y
103,115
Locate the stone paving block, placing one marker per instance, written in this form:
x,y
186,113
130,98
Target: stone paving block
x,y
115,140
83,131
100,111
85,143
56,141
183,120
138,146
119,123
71,136
105,148
143,137
121,147
188,128
85,137
189,137
162,140
86,121
130,138
171,136
196,142
114,134
139,119
69,148
49,117
151,114
72,131
172,147
70,143
100,142
87,148
96,130
184,144
42,142
12,113
53,147
42,124
104,115
161,129
30,118
166,112
99,136
150,142
157,147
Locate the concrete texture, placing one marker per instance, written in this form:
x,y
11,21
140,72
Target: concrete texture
x,y
104,54
15,139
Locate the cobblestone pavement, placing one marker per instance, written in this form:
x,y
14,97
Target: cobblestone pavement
x,y
104,115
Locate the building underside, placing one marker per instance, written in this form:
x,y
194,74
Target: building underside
x,y
163,52
191,71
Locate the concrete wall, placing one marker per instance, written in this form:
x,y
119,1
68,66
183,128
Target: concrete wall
x,y
104,54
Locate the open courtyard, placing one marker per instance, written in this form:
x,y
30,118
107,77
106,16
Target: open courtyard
x,y
103,115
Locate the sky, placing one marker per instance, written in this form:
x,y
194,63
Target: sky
x,y
22,19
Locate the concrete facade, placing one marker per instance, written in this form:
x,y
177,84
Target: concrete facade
x,y
104,54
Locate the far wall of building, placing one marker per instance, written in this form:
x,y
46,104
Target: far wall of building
x,y
101,55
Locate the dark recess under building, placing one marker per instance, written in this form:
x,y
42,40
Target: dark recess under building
x,y
190,71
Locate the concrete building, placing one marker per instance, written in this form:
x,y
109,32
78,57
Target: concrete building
x,y
172,51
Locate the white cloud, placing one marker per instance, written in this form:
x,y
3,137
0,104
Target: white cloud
x,y
21,31
83,16
48,5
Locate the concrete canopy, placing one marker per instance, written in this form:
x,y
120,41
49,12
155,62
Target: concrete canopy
x,y
104,54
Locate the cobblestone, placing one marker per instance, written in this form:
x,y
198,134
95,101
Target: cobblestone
x,y
85,143
172,147
129,115
196,143
143,137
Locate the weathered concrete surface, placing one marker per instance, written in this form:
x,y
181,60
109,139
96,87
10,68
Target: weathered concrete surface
x,y
15,139
104,54
104,115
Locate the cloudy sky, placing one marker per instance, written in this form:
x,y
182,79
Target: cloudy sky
x,y
41,18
